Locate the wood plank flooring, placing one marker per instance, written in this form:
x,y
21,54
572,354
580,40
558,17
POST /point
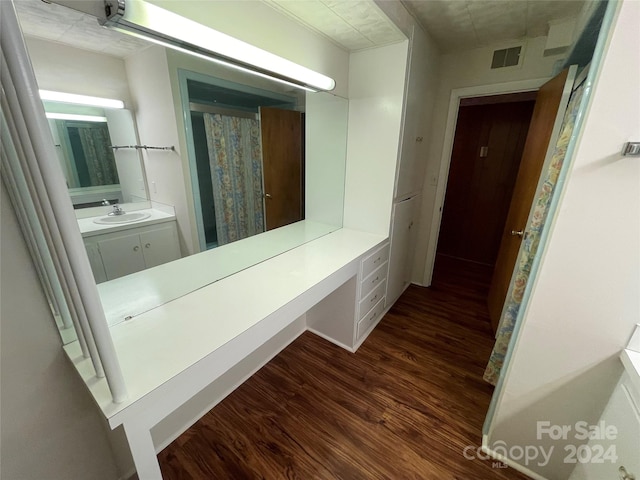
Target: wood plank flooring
x,y
404,406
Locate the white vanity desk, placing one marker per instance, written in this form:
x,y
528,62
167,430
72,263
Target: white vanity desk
x,y
170,353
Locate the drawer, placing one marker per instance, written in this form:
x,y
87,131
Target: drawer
x,y
370,318
371,298
376,277
374,260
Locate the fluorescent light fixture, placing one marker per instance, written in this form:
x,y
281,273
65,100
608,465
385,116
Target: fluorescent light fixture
x,y
73,116
80,99
145,20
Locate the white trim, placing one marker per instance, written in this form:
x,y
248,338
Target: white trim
x,y
510,463
447,148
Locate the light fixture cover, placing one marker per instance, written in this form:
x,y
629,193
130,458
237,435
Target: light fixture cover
x,y
157,24
75,116
80,99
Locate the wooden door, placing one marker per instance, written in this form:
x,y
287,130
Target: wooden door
x,y
283,166
551,102
486,155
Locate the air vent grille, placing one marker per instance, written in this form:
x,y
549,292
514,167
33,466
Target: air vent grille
x,y
507,57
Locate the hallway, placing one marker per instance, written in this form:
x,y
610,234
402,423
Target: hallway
x,y
404,406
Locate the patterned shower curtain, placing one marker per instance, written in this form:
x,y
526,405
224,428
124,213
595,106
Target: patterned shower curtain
x,y
532,240
98,155
235,157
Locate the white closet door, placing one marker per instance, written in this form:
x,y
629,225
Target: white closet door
x,y
402,247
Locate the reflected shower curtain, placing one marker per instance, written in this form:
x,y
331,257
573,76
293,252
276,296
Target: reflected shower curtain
x,y
101,163
235,157
532,240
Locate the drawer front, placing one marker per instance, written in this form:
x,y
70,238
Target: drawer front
x,y
371,299
370,318
375,260
378,276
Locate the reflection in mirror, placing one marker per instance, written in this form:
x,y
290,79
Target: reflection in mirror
x,y
245,146
84,137
221,186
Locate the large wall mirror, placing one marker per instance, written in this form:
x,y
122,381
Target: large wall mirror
x,y
95,171
206,170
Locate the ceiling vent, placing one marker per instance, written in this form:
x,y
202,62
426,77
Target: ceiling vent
x,y
507,57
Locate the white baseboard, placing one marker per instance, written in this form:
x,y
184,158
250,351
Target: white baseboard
x,y
510,463
329,339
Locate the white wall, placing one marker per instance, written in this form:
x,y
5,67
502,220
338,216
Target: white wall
x,y
326,123
63,68
584,305
148,74
122,131
458,70
50,427
376,93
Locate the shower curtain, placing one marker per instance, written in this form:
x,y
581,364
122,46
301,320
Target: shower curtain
x,y
235,157
531,242
100,161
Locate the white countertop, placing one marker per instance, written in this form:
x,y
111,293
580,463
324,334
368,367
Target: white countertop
x,y
139,292
221,321
89,228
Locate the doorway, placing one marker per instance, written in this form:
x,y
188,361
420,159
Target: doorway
x,y
240,141
489,139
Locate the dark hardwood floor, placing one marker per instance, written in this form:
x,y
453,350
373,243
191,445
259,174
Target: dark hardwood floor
x,y
404,406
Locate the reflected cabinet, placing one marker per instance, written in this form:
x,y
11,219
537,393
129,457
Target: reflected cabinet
x,y
114,255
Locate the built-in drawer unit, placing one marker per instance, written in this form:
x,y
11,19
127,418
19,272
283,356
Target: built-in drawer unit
x,y
370,318
373,297
374,279
375,260
373,283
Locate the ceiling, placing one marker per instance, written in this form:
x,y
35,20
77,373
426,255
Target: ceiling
x,y
466,24
351,24
63,25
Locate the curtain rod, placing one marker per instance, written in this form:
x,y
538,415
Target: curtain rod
x,y
145,147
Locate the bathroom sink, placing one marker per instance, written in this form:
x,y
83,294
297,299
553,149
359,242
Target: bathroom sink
x,y
125,218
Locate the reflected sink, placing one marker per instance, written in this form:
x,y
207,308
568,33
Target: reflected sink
x,y
126,218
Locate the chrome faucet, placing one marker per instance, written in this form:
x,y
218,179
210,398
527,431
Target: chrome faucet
x,y
105,202
117,210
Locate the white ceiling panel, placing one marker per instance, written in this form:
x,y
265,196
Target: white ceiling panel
x,y
351,24
64,25
465,24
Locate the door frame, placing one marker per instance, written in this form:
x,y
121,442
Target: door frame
x,y
457,94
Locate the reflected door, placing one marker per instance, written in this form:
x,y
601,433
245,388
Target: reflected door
x,y
283,166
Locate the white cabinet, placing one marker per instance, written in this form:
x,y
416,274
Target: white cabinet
x,y
114,255
618,454
403,234
346,322
372,280
418,104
